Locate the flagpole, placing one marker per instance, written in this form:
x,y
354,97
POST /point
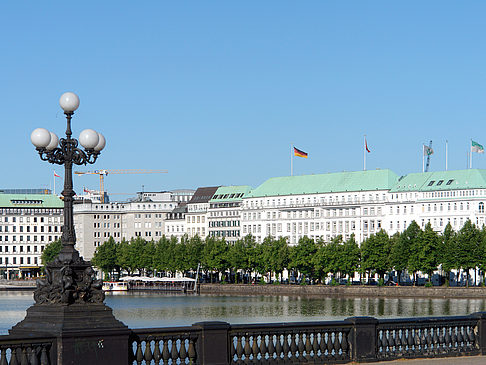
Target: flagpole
x,y
470,156
291,160
423,158
446,152
364,153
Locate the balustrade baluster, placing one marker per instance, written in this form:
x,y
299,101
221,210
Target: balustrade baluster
x,y
23,356
423,341
391,341
344,345
472,338
323,343
44,358
382,341
3,356
247,349
139,354
286,346
300,346
278,346
293,346
157,354
435,340
13,356
460,338
33,356
337,345
191,351
263,346
173,351
443,342
165,351
410,341
428,340
182,350
239,348
330,344
450,340
308,346
147,354
315,345
271,346
254,347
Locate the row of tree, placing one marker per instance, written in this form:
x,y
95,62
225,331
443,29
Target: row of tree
x,y
412,251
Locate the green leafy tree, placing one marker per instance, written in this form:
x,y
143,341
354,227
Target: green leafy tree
x,y
105,256
51,251
428,251
411,237
374,254
351,255
301,256
469,255
448,252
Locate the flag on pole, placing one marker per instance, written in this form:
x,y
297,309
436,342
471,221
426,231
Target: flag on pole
x,y
476,147
428,151
366,146
56,175
299,153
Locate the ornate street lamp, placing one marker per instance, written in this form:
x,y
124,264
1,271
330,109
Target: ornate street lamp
x,y
61,273
70,298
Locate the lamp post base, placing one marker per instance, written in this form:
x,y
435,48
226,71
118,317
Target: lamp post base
x,y
69,306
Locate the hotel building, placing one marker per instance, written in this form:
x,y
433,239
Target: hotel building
x,y
29,220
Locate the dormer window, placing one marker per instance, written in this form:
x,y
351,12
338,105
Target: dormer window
x,y
431,183
440,182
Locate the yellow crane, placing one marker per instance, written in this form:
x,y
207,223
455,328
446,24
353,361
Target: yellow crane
x,y
102,173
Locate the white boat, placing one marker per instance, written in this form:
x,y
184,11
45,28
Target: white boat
x,y
115,286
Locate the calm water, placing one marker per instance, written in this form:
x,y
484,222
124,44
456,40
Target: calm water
x,y
160,310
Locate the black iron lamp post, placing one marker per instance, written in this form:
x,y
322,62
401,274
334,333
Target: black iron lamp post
x,y
66,152
70,298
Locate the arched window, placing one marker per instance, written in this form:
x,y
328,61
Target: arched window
x,y
481,207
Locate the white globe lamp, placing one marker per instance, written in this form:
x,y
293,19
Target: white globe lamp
x,y
69,102
89,139
40,137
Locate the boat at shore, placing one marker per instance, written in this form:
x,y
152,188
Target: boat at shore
x,y
115,286
143,283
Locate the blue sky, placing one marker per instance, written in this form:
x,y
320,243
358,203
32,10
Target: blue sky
x,y
216,91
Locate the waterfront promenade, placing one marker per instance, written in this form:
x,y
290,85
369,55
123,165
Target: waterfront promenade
x,y
343,290
469,360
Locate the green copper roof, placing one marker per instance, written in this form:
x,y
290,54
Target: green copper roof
x,y
230,193
30,201
326,183
442,180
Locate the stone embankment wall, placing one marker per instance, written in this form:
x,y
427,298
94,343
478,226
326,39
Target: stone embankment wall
x,y
343,291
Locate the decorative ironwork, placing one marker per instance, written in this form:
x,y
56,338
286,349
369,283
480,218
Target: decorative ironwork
x,y
69,279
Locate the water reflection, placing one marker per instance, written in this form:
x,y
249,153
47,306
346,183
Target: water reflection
x,y
139,310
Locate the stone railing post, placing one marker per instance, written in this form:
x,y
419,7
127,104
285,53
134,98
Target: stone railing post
x,y
213,343
481,334
363,338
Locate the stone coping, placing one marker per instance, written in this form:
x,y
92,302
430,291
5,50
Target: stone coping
x,y
343,290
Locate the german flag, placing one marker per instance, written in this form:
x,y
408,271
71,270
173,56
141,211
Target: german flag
x,y
299,153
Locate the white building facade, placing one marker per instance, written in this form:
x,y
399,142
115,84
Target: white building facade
x,y
197,212
224,218
362,203
143,217
29,220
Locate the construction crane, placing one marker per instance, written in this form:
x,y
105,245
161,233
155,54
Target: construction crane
x,y
430,151
102,173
